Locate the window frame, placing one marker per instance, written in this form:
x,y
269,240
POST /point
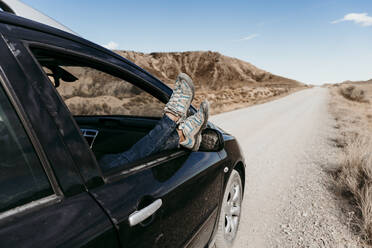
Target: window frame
x,y
113,69
91,67
39,152
117,174
121,73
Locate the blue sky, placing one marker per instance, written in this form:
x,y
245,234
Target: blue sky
x,y
320,41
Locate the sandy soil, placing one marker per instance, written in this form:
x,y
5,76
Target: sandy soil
x,y
353,130
352,115
288,149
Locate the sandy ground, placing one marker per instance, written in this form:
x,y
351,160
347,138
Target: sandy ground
x,y
288,201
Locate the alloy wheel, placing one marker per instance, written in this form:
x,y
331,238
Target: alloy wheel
x,y
232,211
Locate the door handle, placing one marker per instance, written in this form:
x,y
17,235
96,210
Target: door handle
x,y
141,215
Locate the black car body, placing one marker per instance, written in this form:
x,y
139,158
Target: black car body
x,y
62,198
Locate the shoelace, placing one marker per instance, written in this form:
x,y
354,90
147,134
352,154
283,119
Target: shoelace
x,y
196,119
177,95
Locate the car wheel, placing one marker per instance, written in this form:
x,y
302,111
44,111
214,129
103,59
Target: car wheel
x,y
230,212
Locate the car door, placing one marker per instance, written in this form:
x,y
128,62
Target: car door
x,y
188,187
179,190
43,199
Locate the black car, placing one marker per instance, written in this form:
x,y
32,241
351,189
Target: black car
x,y
64,103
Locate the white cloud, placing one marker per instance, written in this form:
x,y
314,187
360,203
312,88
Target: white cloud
x,y
249,37
359,18
111,45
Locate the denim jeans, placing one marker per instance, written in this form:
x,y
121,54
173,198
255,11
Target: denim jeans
x,y
162,137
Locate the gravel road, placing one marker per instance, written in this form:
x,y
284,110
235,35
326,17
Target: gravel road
x,y
288,201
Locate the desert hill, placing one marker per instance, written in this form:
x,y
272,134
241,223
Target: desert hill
x,y
227,83
357,82
210,70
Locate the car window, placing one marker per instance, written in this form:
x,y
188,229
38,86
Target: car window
x,y
90,91
22,178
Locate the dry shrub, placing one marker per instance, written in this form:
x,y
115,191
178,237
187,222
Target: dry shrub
x,y
355,178
353,93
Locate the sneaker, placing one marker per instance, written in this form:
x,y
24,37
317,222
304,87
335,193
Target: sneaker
x,y
182,96
193,126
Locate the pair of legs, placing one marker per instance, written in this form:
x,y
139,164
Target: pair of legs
x,y
172,131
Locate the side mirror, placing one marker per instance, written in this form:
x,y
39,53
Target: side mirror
x,y
60,73
212,140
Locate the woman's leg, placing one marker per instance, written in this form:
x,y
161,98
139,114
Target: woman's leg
x,y
172,142
163,136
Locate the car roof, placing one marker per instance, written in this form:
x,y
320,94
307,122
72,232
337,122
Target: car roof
x,y
8,18
12,19
19,8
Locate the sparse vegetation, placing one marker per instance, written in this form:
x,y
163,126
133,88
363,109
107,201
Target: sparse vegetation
x,y
229,98
98,93
353,93
354,177
351,109
226,82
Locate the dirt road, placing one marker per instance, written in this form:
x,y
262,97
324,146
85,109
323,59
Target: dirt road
x,y
288,198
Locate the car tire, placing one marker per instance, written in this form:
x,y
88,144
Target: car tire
x,y
230,212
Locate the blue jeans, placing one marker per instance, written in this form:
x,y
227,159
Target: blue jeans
x,y
162,137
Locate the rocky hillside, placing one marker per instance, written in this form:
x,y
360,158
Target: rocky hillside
x,y
357,82
209,70
227,83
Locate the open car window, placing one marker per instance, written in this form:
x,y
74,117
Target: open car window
x,y
89,91
105,106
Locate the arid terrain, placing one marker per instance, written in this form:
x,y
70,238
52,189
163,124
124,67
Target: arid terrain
x,y
290,199
228,83
351,108
309,168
